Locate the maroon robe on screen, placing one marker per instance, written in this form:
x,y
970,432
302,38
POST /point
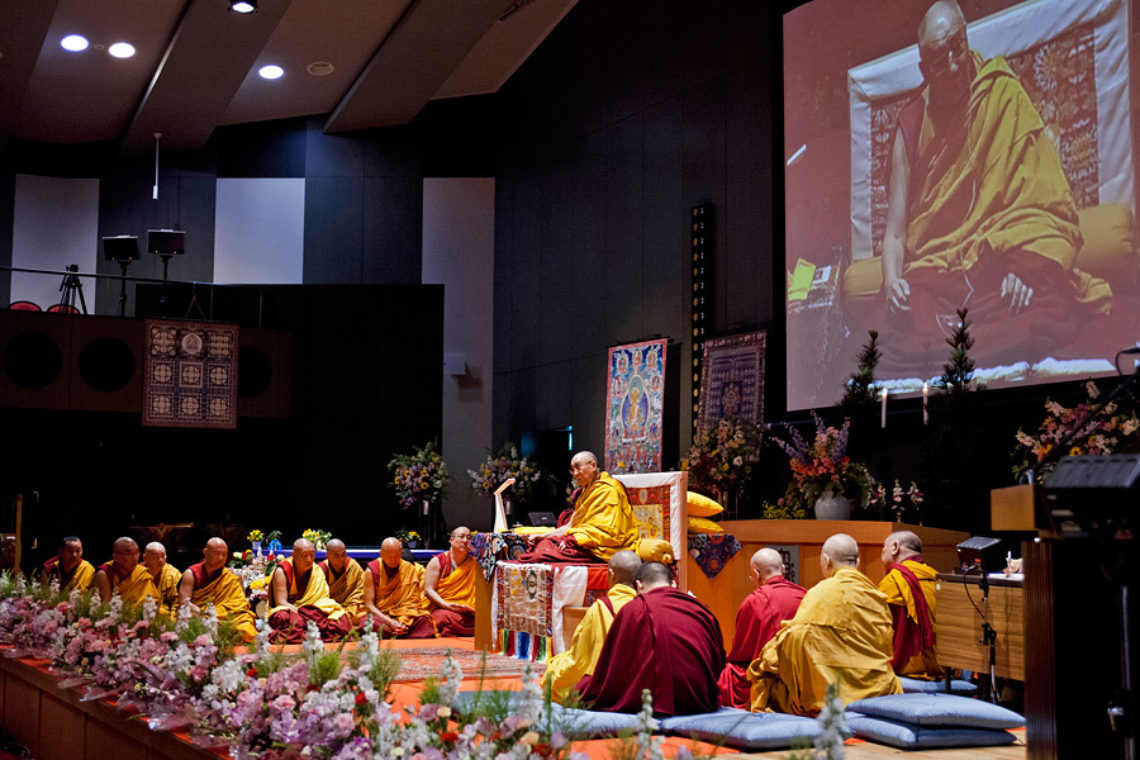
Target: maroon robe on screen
x,y
757,621
665,641
911,636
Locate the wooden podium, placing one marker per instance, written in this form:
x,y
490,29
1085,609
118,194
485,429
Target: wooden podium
x,y
962,602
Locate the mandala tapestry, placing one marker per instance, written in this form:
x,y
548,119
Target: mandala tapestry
x,y
732,378
634,402
191,374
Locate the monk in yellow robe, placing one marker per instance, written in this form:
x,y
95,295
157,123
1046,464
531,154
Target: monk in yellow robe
x,y
210,582
841,631
910,588
346,578
602,523
980,215
299,594
449,586
124,574
394,594
566,669
68,567
165,576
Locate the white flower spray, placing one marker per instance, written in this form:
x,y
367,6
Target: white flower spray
x,y
211,621
263,632
312,646
149,610
829,743
649,746
530,698
451,675
116,605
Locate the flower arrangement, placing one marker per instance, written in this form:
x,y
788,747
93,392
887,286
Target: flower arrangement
x,y
320,538
901,500
419,476
823,467
408,537
1076,429
255,536
722,456
507,464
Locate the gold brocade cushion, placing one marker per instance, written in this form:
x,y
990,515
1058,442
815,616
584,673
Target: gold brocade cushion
x,y
702,506
704,525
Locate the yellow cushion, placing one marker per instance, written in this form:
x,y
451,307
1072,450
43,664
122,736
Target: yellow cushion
x,y
863,278
1107,251
704,525
655,550
702,506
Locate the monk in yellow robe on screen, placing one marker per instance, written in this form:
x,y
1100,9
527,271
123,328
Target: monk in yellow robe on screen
x,y
125,575
566,669
980,214
910,586
299,594
68,567
394,594
841,631
449,586
346,578
602,523
211,582
165,576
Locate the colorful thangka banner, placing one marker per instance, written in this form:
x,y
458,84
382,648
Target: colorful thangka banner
x,y
732,378
634,403
191,374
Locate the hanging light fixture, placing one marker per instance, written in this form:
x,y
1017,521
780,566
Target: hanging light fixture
x,y
243,6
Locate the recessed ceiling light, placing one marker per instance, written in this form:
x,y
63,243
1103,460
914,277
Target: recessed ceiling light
x,y
320,68
243,6
271,72
74,42
122,50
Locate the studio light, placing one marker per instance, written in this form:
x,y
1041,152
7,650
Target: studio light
x,y
74,43
122,50
271,71
243,6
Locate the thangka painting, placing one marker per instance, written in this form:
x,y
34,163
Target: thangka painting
x,y
191,374
732,378
634,402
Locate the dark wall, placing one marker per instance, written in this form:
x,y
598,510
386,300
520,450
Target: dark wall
x,y
626,117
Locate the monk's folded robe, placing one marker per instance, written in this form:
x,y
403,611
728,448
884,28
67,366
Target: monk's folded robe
x,y
910,587
399,594
757,621
79,578
167,586
665,641
841,631
309,594
566,669
602,525
987,195
346,587
223,589
456,585
134,587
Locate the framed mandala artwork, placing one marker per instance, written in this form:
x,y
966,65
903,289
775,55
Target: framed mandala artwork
x,y
190,374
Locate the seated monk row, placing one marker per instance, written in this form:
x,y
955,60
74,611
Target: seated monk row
x,y
133,581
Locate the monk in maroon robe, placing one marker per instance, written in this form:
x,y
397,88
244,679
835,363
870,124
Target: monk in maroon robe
x,y
300,595
775,600
663,640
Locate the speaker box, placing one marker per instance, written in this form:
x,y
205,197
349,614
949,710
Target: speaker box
x,y
265,365
35,359
106,364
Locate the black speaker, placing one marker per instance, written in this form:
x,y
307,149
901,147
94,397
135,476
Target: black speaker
x,y
106,364
981,553
166,242
35,359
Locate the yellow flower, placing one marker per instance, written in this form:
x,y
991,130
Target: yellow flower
x,y
423,486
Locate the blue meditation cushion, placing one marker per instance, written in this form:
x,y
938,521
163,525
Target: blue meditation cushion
x,y
592,724
906,736
938,710
957,686
742,729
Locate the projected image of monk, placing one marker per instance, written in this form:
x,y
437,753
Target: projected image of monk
x,y
980,213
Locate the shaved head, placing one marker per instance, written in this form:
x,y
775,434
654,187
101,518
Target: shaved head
x,y
652,575
624,566
840,551
584,468
391,553
216,554
942,20
899,547
767,563
337,555
154,557
155,546
334,545
944,58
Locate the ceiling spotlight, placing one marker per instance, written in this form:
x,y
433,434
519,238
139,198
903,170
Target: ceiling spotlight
x,y
271,72
122,50
74,42
243,6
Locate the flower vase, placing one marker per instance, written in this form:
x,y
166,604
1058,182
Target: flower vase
x,y
832,506
256,549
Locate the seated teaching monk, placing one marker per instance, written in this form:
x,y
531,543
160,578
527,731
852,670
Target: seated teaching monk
x,y
662,640
566,669
841,631
299,594
124,574
910,588
449,586
601,525
346,578
68,567
980,214
394,594
165,576
210,582
775,600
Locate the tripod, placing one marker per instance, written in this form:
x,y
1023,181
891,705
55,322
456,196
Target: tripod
x,y
69,289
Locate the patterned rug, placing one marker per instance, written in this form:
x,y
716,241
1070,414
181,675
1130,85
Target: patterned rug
x,y
419,663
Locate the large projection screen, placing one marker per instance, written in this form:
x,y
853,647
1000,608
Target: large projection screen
x,y
993,173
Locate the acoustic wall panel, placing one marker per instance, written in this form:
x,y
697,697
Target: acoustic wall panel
x,y
259,231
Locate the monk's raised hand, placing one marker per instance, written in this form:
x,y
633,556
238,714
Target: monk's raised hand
x,y
1017,292
898,295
